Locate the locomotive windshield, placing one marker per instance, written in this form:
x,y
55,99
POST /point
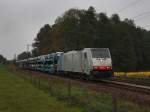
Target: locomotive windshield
x,y
100,53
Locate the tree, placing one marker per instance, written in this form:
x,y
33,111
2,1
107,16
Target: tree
x,y
42,43
24,55
115,19
2,60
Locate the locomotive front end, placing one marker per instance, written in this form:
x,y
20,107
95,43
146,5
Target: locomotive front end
x,y
101,62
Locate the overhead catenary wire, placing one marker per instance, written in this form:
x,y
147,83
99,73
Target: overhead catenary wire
x,y
129,5
138,17
141,16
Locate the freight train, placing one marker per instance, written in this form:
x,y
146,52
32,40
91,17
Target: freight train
x,y
89,62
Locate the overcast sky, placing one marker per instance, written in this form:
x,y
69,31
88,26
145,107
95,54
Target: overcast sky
x,y
20,20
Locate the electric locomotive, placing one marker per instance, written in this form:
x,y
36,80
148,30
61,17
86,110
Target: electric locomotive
x,y
89,62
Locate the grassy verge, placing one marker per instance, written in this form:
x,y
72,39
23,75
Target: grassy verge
x,y
17,95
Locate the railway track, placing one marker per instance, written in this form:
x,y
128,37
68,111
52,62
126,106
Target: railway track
x,y
128,86
105,83
144,81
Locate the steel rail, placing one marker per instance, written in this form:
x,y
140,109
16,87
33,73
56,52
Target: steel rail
x,y
129,86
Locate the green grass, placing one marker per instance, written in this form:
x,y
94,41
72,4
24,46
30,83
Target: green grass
x,y
18,95
131,107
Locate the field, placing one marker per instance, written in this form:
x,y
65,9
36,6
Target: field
x,y
133,74
18,95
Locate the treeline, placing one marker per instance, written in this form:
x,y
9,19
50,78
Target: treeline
x,y
78,28
2,60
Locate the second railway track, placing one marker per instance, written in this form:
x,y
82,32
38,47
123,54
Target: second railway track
x,y
129,86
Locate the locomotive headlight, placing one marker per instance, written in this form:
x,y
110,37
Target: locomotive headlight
x,y
107,67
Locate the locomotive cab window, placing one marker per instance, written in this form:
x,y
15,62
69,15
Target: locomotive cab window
x,y
100,53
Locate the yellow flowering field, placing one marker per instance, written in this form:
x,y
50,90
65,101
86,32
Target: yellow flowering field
x,y
138,74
